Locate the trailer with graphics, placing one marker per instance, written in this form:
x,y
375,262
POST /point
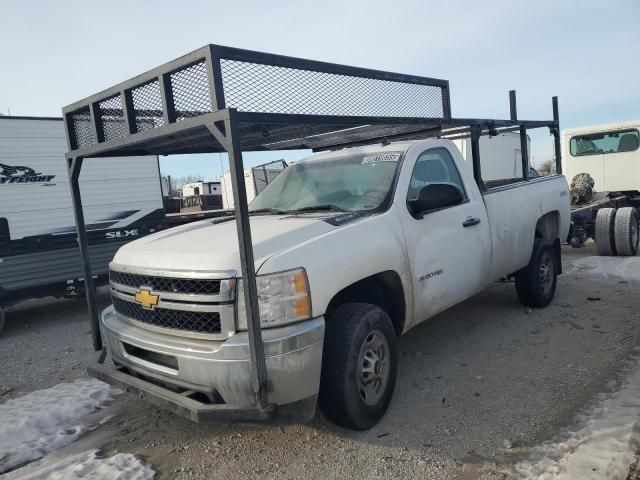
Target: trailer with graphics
x,y
604,163
39,254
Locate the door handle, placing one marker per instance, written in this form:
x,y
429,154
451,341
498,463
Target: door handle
x,y
470,222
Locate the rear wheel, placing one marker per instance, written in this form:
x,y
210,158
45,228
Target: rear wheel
x,y
605,231
626,231
359,366
536,283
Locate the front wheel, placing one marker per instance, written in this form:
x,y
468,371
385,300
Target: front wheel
x,y
536,283
359,366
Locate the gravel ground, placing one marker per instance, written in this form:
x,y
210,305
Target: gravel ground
x,y
45,341
478,387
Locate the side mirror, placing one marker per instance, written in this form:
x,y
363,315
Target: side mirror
x,y
434,197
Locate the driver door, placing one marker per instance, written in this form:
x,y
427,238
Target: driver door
x,y
448,249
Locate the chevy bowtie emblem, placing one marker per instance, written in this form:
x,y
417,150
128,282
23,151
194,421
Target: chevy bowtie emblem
x,y
147,299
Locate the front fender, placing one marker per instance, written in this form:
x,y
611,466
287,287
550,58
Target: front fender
x,y
347,254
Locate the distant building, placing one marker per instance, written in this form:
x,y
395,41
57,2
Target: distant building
x,y
201,188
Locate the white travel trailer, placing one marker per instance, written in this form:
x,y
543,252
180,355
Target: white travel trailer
x,y
38,249
201,188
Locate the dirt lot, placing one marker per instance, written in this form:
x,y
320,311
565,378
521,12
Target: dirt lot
x,y
479,388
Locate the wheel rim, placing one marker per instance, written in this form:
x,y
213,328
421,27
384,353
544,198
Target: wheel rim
x,y
546,272
373,365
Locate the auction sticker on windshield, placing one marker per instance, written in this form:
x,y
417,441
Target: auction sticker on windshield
x,y
381,157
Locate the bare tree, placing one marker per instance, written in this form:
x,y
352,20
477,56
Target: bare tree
x,y
188,179
548,167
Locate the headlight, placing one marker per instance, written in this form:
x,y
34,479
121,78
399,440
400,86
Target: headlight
x,y
282,297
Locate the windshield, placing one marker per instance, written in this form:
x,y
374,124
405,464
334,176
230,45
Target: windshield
x,y
358,182
605,142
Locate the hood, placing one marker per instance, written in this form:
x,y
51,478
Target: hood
x,y
205,246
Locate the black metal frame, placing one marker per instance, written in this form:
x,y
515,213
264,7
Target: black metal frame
x,y
313,109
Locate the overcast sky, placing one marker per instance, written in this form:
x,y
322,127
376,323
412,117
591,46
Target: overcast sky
x,y
587,52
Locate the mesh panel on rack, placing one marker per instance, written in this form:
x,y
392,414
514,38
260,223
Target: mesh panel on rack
x,y
166,284
112,117
199,322
277,135
190,89
82,128
253,87
265,174
147,106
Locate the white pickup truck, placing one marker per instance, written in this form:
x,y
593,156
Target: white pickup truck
x,y
352,248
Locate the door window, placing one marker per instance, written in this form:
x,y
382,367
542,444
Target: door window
x,y
434,166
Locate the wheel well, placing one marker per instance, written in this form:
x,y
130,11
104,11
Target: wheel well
x,y
547,227
383,289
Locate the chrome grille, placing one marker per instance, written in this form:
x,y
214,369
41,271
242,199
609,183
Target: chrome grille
x,y
198,322
188,304
165,284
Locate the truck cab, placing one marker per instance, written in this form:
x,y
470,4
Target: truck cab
x,y
603,163
610,153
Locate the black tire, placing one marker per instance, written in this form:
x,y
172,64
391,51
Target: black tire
x,y
605,231
2,318
536,283
348,397
627,232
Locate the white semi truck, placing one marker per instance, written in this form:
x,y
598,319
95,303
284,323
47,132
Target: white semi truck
x,y
302,295
604,163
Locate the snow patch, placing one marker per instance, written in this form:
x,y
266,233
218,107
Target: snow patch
x,y
46,420
603,446
88,466
610,268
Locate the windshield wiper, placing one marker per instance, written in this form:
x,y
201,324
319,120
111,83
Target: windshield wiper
x,y
329,207
271,211
314,208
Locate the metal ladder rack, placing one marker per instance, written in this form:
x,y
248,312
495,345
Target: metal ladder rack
x,y
222,99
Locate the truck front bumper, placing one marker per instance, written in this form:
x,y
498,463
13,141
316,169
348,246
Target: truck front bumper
x,y
177,372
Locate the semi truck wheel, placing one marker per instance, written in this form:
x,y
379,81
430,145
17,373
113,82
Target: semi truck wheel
x,y
626,231
536,283
605,231
359,366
